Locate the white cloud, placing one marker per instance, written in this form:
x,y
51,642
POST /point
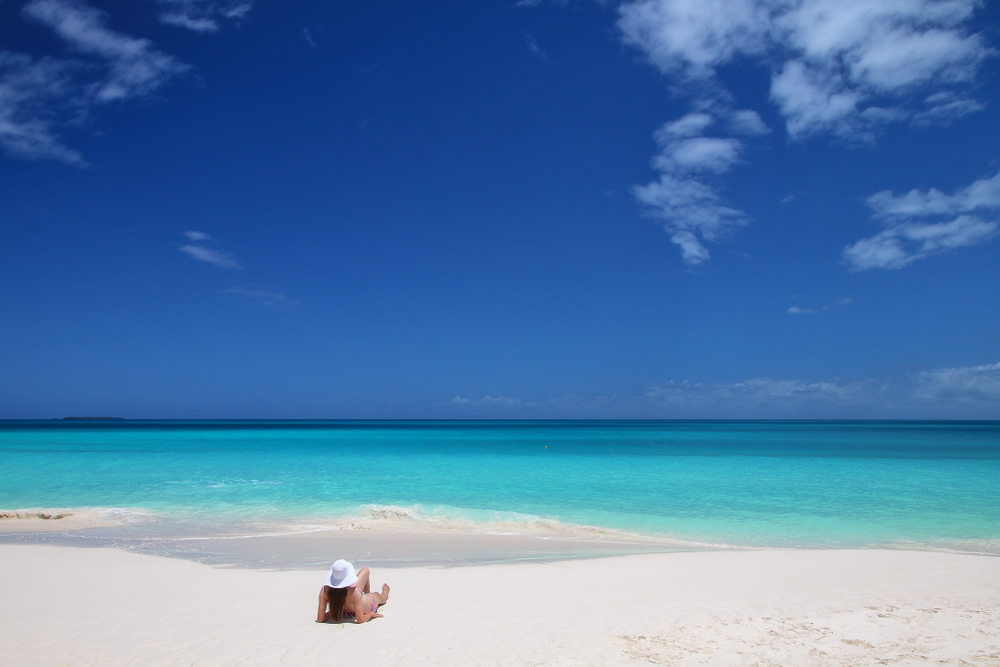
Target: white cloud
x,y
957,392
845,68
219,258
265,296
900,245
135,67
910,236
688,208
33,95
969,384
797,310
39,96
748,123
690,38
813,100
203,15
532,45
691,125
225,260
981,194
840,66
698,154
945,106
490,401
309,38
691,208
756,389
762,397
182,20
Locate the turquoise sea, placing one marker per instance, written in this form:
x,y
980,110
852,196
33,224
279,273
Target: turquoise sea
x,y
793,484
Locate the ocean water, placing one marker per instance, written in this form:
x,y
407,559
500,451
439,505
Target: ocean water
x,y
776,484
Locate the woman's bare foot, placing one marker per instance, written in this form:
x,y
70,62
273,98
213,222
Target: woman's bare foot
x,y
385,593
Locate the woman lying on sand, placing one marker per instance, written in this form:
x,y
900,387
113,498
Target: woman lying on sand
x,y
346,594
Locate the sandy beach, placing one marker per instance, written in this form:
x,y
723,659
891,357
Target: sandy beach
x,y
77,606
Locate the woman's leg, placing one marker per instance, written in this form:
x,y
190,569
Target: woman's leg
x,y
362,583
380,598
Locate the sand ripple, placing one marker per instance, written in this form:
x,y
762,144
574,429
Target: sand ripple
x,y
873,636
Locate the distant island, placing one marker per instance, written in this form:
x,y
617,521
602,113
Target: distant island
x,y
119,419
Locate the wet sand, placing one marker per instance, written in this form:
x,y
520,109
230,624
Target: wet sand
x,y
313,548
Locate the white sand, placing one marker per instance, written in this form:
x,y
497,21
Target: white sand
x,y
75,606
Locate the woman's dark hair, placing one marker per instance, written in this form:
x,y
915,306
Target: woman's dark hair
x,y
335,597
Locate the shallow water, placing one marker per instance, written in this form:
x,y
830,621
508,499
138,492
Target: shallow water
x,y
926,485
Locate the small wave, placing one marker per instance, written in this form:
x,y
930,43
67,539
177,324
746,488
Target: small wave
x,y
980,547
418,518
79,517
219,483
449,519
47,515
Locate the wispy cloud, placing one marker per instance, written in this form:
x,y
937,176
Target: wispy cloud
x,y
961,391
490,402
222,259
219,258
913,229
982,194
958,391
203,15
38,96
264,296
952,392
762,393
797,310
309,38
532,44
684,197
747,122
135,67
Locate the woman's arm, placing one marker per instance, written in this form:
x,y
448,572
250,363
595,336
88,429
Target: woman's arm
x,y
362,614
323,600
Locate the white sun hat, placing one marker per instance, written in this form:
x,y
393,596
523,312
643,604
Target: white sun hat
x,y
341,575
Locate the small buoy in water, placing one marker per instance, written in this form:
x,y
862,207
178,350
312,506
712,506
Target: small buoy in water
x,y
546,446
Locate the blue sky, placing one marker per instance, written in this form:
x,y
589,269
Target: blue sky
x,y
535,209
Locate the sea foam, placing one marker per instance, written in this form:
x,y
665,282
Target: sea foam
x,y
494,522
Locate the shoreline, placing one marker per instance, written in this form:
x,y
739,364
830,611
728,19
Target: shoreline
x,y
802,607
296,545
382,547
